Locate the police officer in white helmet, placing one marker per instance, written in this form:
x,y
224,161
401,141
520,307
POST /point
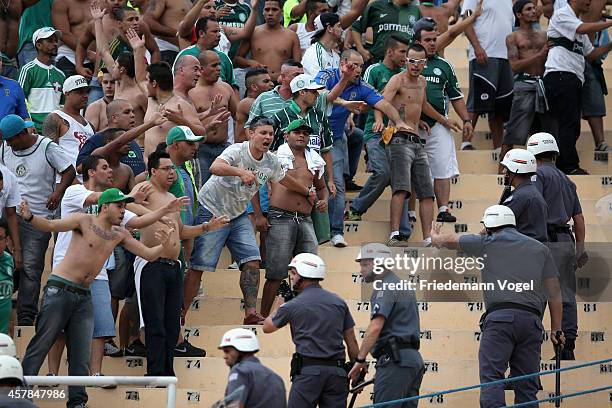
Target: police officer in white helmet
x,y
512,324
525,201
559,193
7,346
392,336
12,384
320,325
262,387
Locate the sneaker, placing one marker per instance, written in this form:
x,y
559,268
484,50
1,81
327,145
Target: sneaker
x,y
136,349
578,172
467,146
338,241
427,242
111,349
352,215
254,319
186,349
233,265
446,216
350,185
602,147
106,387
25,321
398,241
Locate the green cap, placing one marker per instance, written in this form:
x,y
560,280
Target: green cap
x,y
113,195
181,134
298,124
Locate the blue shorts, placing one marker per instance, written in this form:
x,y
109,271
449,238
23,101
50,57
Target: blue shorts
x,y
104,324
238,235
264,203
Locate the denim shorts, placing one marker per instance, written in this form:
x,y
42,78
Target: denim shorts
x,y
104,324
292,233
238,235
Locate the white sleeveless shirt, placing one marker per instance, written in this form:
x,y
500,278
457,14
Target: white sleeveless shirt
x,y
304,36
75,137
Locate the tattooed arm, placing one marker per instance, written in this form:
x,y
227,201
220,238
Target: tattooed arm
x,y
54,127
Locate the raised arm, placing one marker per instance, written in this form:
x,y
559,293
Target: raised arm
x,y
138,46
244,33
446,38
152,15
353,14
189,231
589,28
150,42
185,27
81,50
101,41
69,223
150,254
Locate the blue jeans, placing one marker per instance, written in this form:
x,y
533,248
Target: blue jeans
x,y
238,235
354,147
26,54
336,205
207,154
34,244
95,91
377,182
71,312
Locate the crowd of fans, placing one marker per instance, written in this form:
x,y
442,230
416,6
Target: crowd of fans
x,y
214,121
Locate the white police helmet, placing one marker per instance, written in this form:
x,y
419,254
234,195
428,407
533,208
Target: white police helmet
x,y
7,346
374,250
241,339
308,266
541,143
10,369
520,161
497,216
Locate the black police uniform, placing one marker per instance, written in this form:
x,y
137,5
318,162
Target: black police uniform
x,y
399,366
263,388
318,319
563,204
512,325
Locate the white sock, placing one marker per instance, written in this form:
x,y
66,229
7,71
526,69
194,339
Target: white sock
x,y
412,214
463,144
393,233
427,241
443,209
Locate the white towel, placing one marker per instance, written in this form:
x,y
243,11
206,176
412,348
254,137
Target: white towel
x,y
139,264
313,159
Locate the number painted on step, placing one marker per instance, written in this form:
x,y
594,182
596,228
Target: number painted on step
x,y
477,335
457,204
425,334
414,278
363,306
495,156
606,181
193,364
193,396
475,306
605,368
431,366
411,252
195,305
470,279
357,278
590,307
438,399
460,228
583,283
361,333
544,366
454,180
191,332
600,156
351,226
242,305
132,396
500,180
134,362
423,306
597,336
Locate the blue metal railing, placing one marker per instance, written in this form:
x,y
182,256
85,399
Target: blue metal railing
x,y
503,381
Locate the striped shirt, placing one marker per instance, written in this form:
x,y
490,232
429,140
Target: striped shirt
x,y
42,88
317,58
267,104
316,117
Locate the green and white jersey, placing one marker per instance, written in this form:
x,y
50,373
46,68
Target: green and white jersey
x,y
317,58
42,87
441,83
227,68
386,18
6,276
377,75
237,17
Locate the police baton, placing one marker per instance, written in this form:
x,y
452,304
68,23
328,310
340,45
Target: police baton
x,y
558,373
359,387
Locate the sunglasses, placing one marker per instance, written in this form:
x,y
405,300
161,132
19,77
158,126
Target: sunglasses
x,y
413,61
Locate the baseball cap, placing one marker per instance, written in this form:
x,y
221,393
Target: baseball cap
x,y
113,195
12,125
425,23
304,81
325,20
180,134
45,32
298,124
74,82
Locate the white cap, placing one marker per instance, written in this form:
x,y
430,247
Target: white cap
x,y
10,368
7,346
541,143
241,339
374,251
308,266
74,82
45,32
520,161
304,81
497,216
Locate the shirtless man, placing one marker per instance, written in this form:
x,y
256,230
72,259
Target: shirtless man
x,y
123,176
441,13
71,18
265,52
407,155
207,88
95,113
163,277
9,37
257,81
67,300
163,18
527,52
290,225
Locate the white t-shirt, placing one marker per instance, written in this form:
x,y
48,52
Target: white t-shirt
x,y
564,23
559,4
228,195
317,58
73,203
492,27
9,195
